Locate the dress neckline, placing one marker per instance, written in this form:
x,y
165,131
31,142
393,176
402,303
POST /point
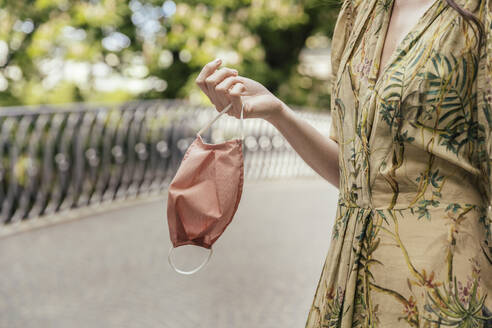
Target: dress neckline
x,y
422,23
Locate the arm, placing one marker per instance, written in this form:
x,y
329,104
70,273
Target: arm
x,y
224,86
317,150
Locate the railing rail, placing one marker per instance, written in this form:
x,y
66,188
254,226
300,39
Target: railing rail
x,y
58,158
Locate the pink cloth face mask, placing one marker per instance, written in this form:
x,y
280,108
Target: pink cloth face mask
x,y
205,192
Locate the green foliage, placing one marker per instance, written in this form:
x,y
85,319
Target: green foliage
x,y
56,51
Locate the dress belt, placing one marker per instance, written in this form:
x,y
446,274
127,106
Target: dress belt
x,y
344,204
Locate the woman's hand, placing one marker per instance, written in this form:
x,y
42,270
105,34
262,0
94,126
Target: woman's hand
x,y
223,86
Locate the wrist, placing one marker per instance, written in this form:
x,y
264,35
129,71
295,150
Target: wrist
x,y
278,114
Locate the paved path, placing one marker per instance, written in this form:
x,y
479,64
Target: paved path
x,y
112,271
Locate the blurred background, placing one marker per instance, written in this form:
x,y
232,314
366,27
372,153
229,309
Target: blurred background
x,y
60,51
98,104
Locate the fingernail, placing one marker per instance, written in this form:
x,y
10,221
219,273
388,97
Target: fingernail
x,y
218,60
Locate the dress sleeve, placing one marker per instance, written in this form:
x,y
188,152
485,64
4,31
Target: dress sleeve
x,y
343,26
484,114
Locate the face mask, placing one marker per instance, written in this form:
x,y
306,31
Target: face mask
x,y
205,192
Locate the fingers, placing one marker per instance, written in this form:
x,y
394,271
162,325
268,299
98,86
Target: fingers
x,y
237,90
209,77
227,83
206,71
235,96
213,80
222,89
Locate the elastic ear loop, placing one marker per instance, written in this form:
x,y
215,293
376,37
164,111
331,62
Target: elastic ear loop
x,y
192,271
225,110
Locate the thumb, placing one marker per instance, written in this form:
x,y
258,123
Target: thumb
x,y
235,97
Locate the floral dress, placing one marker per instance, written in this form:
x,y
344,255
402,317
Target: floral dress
x,y
411,244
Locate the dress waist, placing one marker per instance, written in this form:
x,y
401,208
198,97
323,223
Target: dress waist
x,y
434,204
401,189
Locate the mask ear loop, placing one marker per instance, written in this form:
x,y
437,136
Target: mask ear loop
x,y
188,272
225,110
242,123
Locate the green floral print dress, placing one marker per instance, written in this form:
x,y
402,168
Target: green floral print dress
x,y
411,244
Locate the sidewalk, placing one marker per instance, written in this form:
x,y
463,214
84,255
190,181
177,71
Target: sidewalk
x,y
112,271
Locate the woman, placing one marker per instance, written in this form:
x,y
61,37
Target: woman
x,y
410,150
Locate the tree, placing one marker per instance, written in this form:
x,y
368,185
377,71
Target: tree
x,y
57,51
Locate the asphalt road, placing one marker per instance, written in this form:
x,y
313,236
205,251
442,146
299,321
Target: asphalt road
x,y
111,269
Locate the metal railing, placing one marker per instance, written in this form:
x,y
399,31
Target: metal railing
x,y
54,159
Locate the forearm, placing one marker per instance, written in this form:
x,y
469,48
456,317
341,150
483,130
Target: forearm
x,y
318,151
